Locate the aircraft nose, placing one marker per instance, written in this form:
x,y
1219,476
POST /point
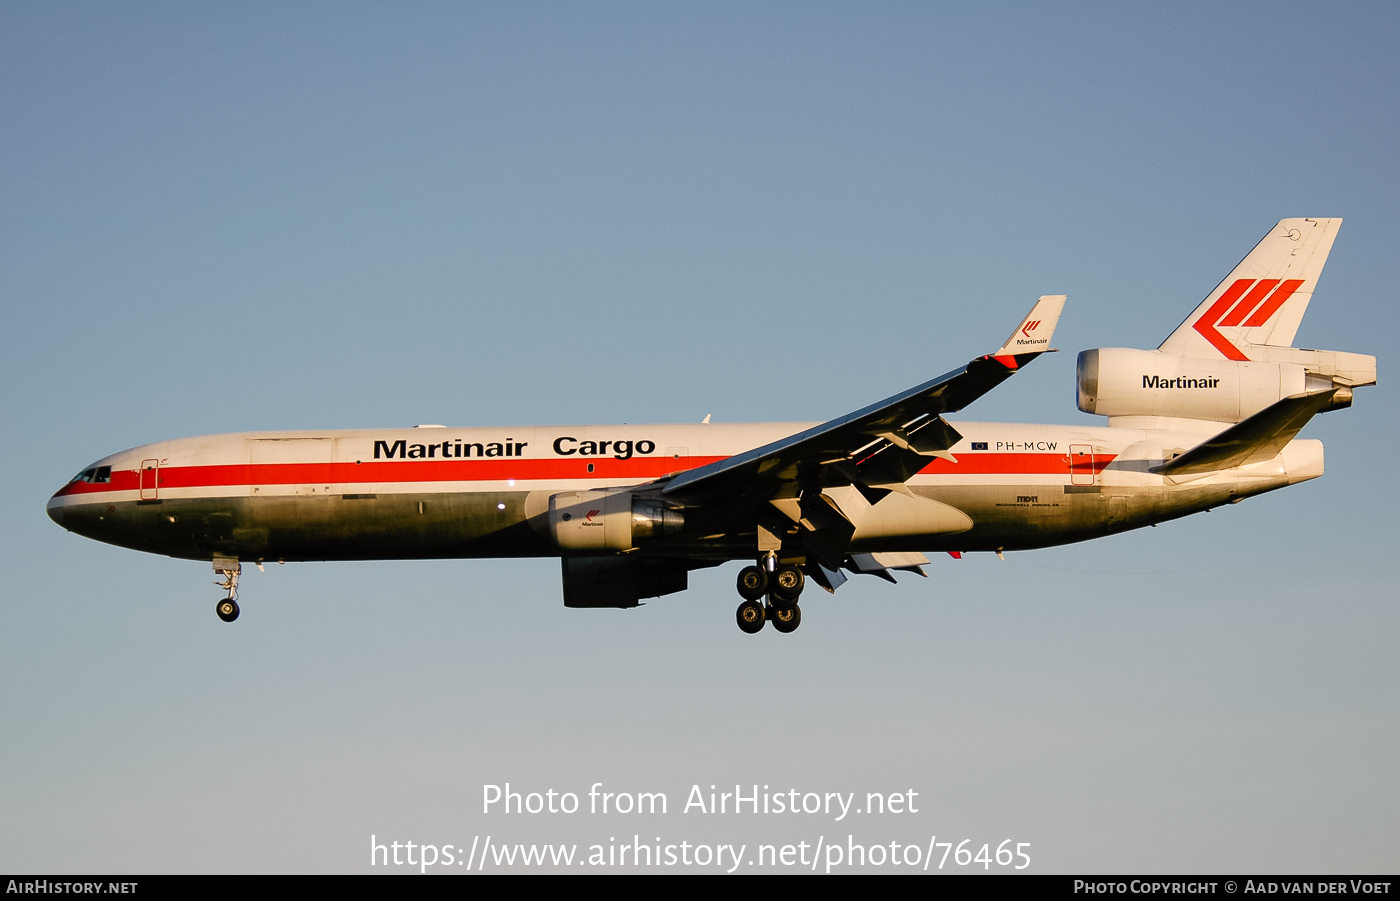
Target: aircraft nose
x,y
55,509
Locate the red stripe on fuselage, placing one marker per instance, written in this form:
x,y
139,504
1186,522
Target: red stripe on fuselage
x,y
389,472
993,463
369,474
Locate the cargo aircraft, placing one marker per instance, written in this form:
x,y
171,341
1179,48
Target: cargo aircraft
x,y
1208,418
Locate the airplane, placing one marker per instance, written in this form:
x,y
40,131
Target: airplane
x,y
1210,417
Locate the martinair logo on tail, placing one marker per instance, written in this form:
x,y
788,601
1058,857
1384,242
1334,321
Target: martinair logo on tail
x,y
1257,299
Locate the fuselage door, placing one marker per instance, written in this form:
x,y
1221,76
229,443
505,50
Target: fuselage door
x,y
150,480
1081,464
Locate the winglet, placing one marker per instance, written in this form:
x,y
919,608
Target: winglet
x,y
1034,333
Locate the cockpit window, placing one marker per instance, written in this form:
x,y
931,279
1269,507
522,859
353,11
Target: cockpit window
x,y
84,476
98,474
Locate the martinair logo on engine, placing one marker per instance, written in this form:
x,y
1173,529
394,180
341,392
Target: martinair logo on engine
x,y
1156,381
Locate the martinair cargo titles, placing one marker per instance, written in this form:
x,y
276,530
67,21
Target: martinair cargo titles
x,y
1210,417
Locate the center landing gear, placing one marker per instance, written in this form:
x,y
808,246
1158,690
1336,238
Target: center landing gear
x,y
780,588
227,609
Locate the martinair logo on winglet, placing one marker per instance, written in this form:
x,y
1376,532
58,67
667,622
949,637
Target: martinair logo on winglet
x,y
1257,299
1026,330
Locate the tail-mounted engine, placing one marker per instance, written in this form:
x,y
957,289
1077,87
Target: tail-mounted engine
x,y
1125,382
584,522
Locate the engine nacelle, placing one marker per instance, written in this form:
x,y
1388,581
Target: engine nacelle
x,y
619,580
1123,381
600,521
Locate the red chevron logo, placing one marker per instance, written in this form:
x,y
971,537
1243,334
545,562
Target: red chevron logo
x,y
1030,327
1257,299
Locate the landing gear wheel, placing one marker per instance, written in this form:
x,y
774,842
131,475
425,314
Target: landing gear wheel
x,y
753,583
751,616
787,619
227,610
787,583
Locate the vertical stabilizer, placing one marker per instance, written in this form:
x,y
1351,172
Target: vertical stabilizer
x,y
1263,300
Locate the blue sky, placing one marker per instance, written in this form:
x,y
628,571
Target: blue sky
x,y
220,218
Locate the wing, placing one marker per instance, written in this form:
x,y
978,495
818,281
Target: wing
x,y
877,448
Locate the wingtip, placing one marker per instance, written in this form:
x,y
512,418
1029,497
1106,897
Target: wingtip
x,y
1034,332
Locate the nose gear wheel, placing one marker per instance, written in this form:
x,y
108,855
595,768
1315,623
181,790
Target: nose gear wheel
x,y
227,609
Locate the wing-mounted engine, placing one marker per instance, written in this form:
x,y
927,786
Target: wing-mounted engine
x,y
593,530
600,522
1133,387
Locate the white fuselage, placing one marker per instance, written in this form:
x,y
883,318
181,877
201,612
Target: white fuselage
x,y
472,492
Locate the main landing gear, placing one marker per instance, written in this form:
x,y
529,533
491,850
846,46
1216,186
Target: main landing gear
x,y
770,595
227,609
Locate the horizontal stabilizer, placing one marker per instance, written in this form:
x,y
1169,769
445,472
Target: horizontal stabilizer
x,y
1035,331
1258,438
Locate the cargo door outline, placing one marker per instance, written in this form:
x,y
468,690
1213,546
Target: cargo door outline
x,y
1117,512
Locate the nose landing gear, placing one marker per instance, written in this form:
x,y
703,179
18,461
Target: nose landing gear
x,y
227,609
